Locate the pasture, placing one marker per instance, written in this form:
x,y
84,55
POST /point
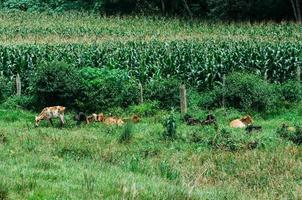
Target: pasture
x,y
107,57
90,162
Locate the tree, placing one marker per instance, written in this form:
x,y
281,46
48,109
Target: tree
x,y
297,9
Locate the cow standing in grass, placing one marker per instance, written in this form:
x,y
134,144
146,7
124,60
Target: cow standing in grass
x,y
49,113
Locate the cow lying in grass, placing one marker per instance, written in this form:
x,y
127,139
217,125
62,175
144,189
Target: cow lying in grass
x,y
109,120
49,113
81,117
242,122
210,119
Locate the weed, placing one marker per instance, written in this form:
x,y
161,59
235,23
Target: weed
x,y
170,127
127,133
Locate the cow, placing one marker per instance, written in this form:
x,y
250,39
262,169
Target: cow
x,y
242,122
49,113
109,120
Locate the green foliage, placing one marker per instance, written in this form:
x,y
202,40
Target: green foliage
x,y
291,91
6,88
105,88
236,9
158,64
170,127
126,134
165,91
293,134
25,102
226,140
54,83
145,109
243,91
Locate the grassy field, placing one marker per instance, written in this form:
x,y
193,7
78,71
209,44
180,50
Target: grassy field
x,y
89,162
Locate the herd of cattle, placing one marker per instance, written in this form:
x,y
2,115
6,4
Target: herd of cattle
x,y
49,113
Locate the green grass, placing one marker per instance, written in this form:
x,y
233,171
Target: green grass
x,y
89,162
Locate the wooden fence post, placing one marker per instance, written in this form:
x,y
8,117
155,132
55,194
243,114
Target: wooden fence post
x,y
141,98
223,94
265,75
183,99
18,84
298,74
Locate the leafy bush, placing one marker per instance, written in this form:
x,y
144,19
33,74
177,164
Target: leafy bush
x,y
18,102
291,92
243,91
165,91
293,134
170,127
6,88
145,109
226,140
105,88
55,83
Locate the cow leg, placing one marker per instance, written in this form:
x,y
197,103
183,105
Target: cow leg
x,y
50,120
62,120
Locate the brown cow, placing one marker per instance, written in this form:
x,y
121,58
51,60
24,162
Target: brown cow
x,y
242,122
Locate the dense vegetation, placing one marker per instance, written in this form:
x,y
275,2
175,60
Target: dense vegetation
x,y
232,9
96,64
124,52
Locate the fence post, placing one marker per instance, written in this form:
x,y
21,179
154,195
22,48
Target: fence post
x,y
183,99
265,75
141,97
18,84
223,94
298,74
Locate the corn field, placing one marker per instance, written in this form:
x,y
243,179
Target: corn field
x,y
200,64
198,53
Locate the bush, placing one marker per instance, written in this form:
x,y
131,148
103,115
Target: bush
x,y
145,109
291,92
55,83
243,91
166,91
293,134
105,88
6,88
14,102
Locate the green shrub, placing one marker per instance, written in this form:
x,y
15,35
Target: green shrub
x,y
6,88
14,102
145,109
170,127
55,83
105,88
165,91
126,134
294,135
243,91
291,92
